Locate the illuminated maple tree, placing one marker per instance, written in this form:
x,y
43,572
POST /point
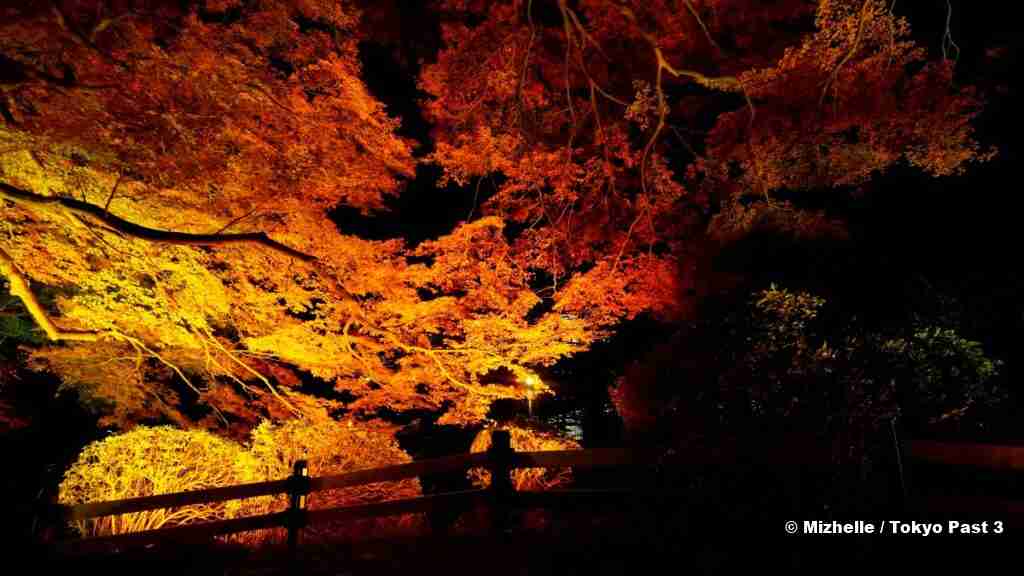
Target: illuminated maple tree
x,y
167,172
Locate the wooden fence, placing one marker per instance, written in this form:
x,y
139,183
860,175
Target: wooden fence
x,y
502,497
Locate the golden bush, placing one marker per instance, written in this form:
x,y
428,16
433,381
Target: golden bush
x,y
330,448
157,460
160,460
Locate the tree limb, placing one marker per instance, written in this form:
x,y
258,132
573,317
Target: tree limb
x,y
106,207
24,197
846,58
20,289
723,83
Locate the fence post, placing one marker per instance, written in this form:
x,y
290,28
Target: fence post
x,y
499,457
902,460
48,520
297,490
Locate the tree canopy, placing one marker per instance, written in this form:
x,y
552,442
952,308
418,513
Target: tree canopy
x,y
168,169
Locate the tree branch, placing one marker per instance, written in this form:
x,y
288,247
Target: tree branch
x,y
707,33
24,197
724,84
846,58
106,206
81,39
236,221
20,289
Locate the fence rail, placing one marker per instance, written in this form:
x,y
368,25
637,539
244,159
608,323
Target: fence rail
x,y
990,456
502,497
144,503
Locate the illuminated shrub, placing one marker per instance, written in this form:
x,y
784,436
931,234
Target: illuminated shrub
x,y
161,460
526,440
157,460
333,448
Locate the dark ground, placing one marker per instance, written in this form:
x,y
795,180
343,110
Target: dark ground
x,y
707,520
711,544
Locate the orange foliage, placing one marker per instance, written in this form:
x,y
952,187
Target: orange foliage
x,y
333,448
525,440
842,105
253,117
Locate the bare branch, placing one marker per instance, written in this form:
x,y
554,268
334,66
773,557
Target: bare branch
x,y
723,83
237,220
947,38
568,52
526,63
707,34
113,191
846,58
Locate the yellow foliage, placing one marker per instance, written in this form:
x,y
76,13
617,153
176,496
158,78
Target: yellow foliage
x,y
161,460
331,448
110,378
148,461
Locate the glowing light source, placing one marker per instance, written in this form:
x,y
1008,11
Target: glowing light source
x,y
533,386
